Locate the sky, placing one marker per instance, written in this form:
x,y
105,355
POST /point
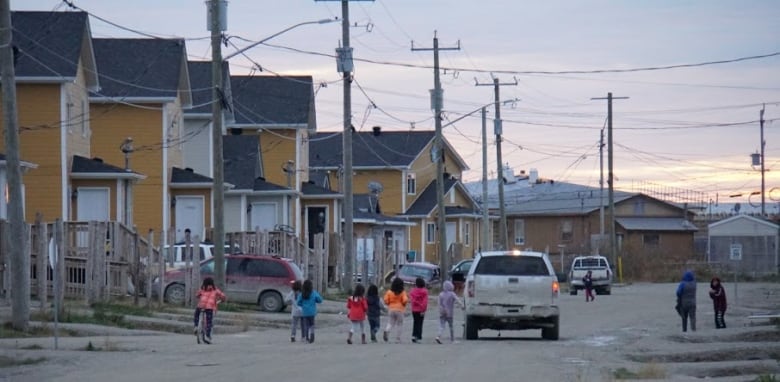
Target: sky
x,y
669,135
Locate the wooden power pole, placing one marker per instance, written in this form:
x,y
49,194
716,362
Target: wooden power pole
x,y
217,25
17,238
437,102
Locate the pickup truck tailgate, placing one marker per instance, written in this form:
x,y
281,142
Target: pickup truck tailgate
x,y
513,290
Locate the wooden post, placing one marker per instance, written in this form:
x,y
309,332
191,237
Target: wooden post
x,y
104,262
137,265
161,266
90,271
149,267
187,268
319,256
340,261
42,266
61,249
196,281
325,259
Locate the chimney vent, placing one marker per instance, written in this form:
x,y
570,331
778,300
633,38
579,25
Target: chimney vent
x,y
377,130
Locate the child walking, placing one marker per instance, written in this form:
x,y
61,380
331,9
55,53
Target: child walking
x,y
686,297
308,300
374,310
295,310
208,298
587,282
447,301
419,296
357,307
396,300
718,296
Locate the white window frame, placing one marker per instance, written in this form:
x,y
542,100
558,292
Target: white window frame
x,y
430,233
467,234
519,233
411,183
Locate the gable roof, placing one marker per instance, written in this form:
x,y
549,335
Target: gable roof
x,y
241,161
310,189
260,184
201,83
388,149
142,70
426,202
273,100
655,224
51,44
95,168
319,178
188,176
366,210
743,225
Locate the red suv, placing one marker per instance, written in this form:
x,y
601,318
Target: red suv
x,y
253,279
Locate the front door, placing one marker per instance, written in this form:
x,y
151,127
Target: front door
x,y
189,214
317,221
451,231
263,217
92,204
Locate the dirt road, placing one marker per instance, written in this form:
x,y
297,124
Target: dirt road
x,y
632,333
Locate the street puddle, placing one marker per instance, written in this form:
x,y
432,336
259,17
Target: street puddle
x,y
600,341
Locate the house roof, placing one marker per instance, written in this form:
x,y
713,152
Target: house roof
x,y
311,189
655,224
142,69
547,198
188,175
366,210
319,177
51,44
241,161
260,184
459,210
388,149
95,168
201,83
426,202
753,219
273,100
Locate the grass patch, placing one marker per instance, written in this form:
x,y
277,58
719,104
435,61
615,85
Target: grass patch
x,y
7,331
108,346
647,371
122,309
32,347
6,361
235,307
767,378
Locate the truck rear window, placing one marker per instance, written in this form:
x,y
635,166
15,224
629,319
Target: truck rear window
x,y
511,266
590,263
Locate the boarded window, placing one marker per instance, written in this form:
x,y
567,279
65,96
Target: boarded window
x,y
651,239
430,233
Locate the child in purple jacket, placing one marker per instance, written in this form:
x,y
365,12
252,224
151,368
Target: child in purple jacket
x,y
447,301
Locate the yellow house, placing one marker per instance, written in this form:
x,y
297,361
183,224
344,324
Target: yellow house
x,y
279,111
397,167
144,84
55,72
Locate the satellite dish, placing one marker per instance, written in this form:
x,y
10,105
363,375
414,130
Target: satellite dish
x,y
375,187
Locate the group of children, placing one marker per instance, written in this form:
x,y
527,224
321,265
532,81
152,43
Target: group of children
x,y
365,305
686,301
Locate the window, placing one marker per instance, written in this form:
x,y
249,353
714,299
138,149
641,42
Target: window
x,y
567,232
519,231
411,184
207,268
274,269
430,232
651,239
467,234
512,266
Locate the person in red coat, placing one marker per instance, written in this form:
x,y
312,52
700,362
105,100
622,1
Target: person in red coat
x,y
419,297
718,296
357,306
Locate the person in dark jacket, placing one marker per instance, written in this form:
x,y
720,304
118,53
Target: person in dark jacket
x,y
587,282
718,296
374,310
686,295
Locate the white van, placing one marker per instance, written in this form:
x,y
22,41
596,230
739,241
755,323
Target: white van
x,y
206,251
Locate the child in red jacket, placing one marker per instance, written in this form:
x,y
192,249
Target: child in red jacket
x,y
357,306
208,298
419,297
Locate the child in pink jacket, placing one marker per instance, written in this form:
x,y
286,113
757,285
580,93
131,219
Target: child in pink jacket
x,y
419,297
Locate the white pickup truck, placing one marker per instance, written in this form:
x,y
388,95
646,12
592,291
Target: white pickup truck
x,y
511,290
601,274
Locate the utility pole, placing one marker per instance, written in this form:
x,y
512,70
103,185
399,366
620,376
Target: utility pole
x,y
17,237
217,25
611,178
437,154
485,213
503,236
601,190
345,65
763,169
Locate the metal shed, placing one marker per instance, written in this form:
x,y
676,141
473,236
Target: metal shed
x,y
744,243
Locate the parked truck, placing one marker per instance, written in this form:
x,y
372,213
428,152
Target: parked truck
x,y
601,274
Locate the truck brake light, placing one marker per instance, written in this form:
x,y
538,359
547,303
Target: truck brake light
x,y
556,288
470,288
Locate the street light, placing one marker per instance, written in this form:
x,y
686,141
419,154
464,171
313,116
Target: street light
x,y
240,51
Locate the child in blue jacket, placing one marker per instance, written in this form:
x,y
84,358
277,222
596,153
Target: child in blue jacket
x,y
308,300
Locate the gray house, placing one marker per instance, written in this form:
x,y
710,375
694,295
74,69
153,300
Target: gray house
x,y
745,244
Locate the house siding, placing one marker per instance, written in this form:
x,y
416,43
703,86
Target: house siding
x,y
196,149
38,108
111,123
277,147
77,109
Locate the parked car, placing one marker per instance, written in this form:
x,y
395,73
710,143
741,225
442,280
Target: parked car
x,y
409,272
253,279
601,274
512,290
177,251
